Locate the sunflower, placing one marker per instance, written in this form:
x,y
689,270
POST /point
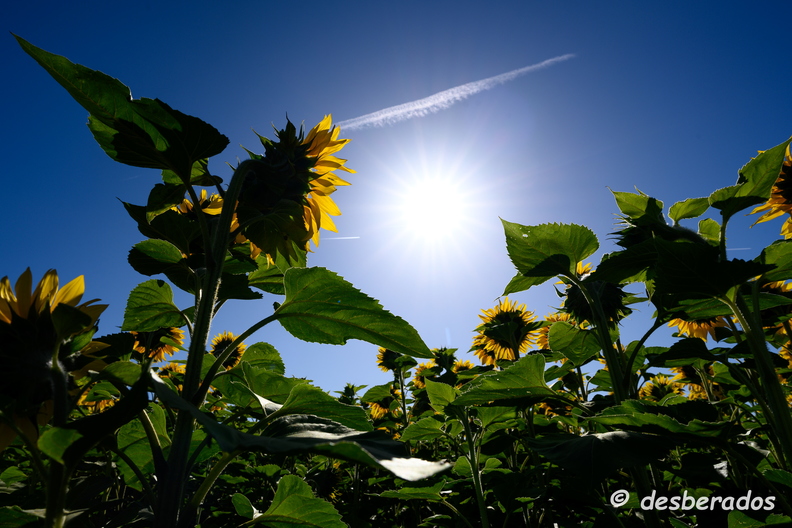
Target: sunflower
x,y
690,378
159,348
20,302
659,387
462,365
698,328
506,331
285,198
223,341
322,142
542,341
419,378
386,359
209,204
28,339
780,200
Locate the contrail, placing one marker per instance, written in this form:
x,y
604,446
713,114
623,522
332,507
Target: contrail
x,y
442,100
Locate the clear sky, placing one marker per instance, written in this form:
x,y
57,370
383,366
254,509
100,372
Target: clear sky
x,y
671,97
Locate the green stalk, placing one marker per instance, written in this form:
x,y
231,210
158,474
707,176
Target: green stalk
x,y
171,496
473,458
58,474
615,367
780,418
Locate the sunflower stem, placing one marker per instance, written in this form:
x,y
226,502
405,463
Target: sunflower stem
x,y
779,418
171,499
473,458
615,367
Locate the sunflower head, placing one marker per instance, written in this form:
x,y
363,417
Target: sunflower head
x,y
387,359
221,343
780,200
423,371
158,344
506,331
285,198
610,296
700,328
659,387
34,323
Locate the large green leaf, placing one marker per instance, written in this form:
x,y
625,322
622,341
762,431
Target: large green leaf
x,y
424,429
690,208
139,132
595,456
524,379
269,277
778,254
150,307
297,433
576,344
134,443
294,504
754,184
545,251
68,444
307,399
154,256
322,307
694,270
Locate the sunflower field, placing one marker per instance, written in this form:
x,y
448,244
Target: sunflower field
x,y
562,423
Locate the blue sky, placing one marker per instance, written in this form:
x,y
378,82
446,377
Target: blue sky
x,y
671,97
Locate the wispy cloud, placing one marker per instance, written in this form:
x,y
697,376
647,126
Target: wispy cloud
x,y
442,100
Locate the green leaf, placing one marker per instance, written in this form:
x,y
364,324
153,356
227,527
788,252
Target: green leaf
x,y
150,307
425,429
143,132
269,277
264,356
709,230
427,493
294,504
729,201
307,399
54,442
525,378
163,197
778,254
595,456
125,372
305,433
758,175
695,270
545,251
690,208
440,395
576,344
199,175
69,320
16,517
134,443
639,206
322,307
243,506
779,476
153,256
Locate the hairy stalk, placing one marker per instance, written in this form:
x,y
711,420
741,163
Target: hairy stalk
x,y
615,367
779,418
473,458
171,496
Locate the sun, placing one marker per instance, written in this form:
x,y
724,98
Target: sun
x,y
433,208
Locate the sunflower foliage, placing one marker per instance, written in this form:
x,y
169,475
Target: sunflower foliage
x,y
168,424
552,421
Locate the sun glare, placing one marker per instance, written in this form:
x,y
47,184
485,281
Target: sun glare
x,y
433,207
